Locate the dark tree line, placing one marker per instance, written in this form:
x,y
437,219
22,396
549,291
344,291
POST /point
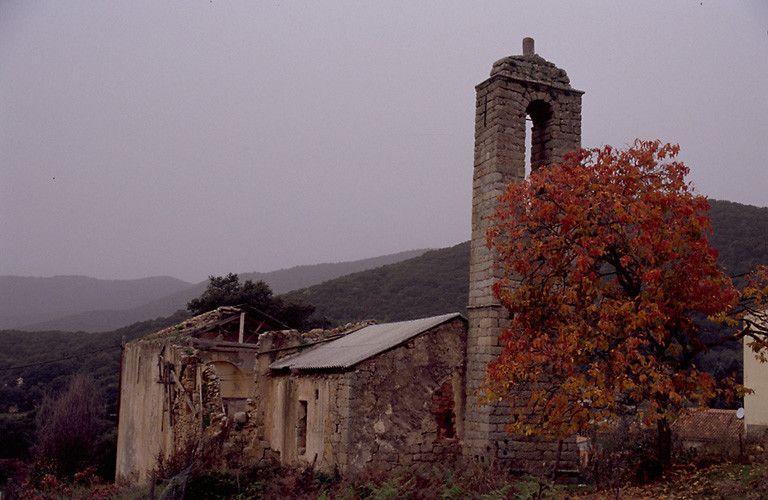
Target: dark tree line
x,y
228,291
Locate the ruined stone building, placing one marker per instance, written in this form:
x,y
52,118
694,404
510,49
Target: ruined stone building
x,y
366,394
234,383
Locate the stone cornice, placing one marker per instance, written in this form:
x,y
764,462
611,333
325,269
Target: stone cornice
x,y
556,86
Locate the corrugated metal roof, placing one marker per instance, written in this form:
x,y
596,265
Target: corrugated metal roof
x,y
360,345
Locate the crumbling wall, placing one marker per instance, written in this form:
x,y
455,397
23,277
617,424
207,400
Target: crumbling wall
x,y
219,404
398,401
143,429
277,403
309,420
177,404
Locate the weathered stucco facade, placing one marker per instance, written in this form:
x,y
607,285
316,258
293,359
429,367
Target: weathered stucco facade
x,y
381,412
756,403
310,419
143,435
172,385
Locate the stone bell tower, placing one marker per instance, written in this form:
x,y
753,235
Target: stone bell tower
x,y
519,88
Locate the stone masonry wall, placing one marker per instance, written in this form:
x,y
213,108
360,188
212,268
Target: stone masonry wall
x,y
325,397
395,398
518,86
184,398
275,406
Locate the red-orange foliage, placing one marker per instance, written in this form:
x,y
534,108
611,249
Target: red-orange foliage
x,y
609,276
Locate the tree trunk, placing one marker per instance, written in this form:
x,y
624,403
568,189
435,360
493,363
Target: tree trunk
x,y
557,459
663,443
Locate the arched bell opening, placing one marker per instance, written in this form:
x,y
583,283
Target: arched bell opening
x,y
539,115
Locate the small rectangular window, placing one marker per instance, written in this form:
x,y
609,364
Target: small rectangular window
x,y
301,428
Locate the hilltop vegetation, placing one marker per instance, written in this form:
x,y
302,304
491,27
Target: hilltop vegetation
x,y
740,235
111,311
33,364
431,284
437,282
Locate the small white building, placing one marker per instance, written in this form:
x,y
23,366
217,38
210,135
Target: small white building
x,y
755,404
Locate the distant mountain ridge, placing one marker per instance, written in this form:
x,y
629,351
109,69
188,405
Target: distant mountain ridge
x,y
116,314
404,285
437,282
26,300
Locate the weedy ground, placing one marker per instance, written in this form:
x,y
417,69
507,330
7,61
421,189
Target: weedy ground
x,y
725,480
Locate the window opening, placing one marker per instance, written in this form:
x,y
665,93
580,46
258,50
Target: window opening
x,y
527,146
539,114
442,410
301,428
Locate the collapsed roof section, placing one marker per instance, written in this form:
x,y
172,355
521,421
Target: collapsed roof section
x,y
340,348
235,324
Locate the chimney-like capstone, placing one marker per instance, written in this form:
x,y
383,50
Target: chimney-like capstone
x,y
527,46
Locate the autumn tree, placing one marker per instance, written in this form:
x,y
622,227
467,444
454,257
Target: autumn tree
x,y
612,285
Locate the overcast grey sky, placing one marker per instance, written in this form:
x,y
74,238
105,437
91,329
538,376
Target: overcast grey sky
x,y
187,138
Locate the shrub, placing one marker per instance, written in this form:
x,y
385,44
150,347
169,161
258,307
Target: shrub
x,y
69,429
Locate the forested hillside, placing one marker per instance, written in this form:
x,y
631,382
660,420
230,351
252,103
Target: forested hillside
x,y
35,363
436,282
741,235
431,284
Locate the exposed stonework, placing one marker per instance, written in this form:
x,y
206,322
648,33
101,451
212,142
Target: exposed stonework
x,y
391,416
309,418
177,397
184,395
519,86
377,413
186,390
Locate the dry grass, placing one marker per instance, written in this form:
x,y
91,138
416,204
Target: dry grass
x,y
693,480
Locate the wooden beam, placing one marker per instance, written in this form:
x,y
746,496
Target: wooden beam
x,y
242,328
